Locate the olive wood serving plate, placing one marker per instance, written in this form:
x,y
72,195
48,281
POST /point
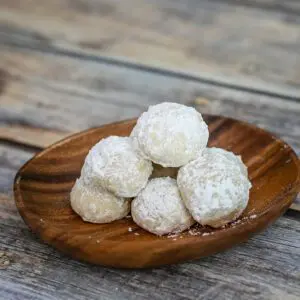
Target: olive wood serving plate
x,y
42,188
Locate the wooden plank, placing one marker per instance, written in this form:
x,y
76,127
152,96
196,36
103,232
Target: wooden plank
x,y
266,267
11,159
242,43
288,6
31,136
63,95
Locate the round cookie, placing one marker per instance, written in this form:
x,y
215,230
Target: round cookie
x,y
117,167
170,134
96,205
159,208
215,187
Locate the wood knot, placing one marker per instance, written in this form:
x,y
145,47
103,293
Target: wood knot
x,y
5,260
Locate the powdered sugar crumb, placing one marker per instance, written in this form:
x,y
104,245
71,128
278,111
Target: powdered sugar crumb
x,y
236,222
172,235
194,232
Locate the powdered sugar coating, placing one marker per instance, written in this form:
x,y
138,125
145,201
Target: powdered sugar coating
x,y
113,164
215,153
170,134
96,205
215,187
159,208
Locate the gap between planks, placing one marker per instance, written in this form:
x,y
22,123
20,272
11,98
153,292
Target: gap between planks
x,y
258,88
31,137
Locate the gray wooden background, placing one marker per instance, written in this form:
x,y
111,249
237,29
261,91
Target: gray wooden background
x,y
67,65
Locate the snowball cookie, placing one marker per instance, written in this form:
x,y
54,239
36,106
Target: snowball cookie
x,y
114,165
96,205
219,153
159,208
170,134
215,187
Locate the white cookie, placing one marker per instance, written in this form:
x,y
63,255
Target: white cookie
x,y
96,205
215,187
117,167
159,208
170,134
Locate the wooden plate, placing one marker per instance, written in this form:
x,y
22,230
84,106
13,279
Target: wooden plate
x,y
42,188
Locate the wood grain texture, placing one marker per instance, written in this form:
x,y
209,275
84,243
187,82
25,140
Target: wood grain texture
x,y
36,137
245,43
266,267
50,92
43,185
11,159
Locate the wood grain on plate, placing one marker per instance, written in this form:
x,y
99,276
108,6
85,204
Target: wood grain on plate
x,y
43,185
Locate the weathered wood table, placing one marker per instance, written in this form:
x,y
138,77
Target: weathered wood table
x,y
67,65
